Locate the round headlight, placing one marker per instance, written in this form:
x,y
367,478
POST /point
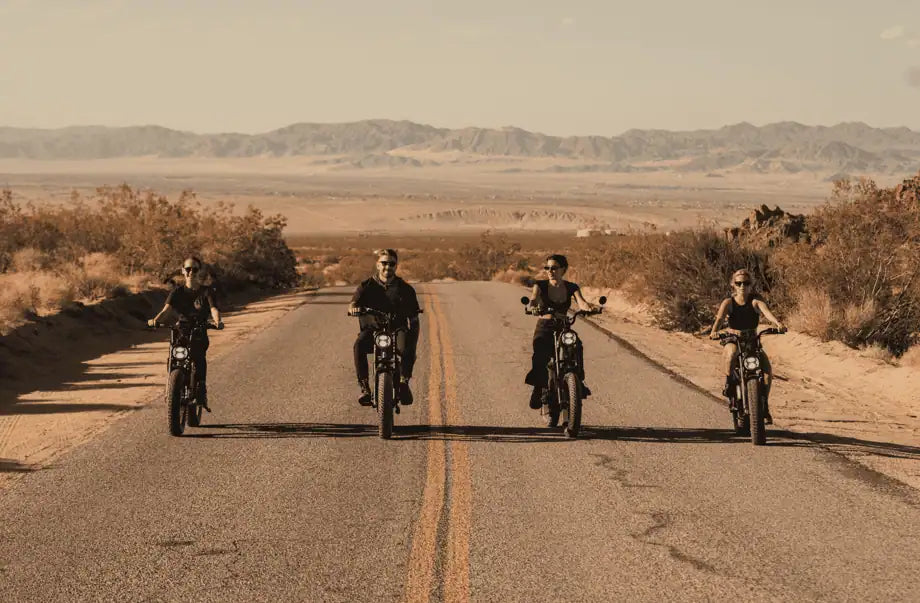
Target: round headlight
x,y
751,363
569,338
180,353
384,341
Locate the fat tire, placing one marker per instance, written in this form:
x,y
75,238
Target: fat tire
x,y
194,414
573,388
176,411
741,423
755,408
385,405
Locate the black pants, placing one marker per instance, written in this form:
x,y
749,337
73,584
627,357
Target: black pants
x,y
543,350
198,351
406,343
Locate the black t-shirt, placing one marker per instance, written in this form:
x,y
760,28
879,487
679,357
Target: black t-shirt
x,y
398,297
192,305
556,307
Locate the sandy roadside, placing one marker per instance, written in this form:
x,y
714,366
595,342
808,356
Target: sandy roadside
x,y
855,405
39,426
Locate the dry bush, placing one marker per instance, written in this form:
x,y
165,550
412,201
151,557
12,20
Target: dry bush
x,y
148,233
877,352
864,254
492,253
29,259
911,358
813,314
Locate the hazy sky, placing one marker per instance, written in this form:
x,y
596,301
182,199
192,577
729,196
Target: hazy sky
x,y
559,67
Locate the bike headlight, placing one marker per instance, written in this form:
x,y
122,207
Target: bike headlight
x,y
180,353
384,341
751,363
569,338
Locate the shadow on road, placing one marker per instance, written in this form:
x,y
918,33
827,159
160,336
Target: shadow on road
x,y
521,434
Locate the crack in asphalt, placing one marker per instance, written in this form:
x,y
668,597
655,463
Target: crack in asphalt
x,y
621,476
662,521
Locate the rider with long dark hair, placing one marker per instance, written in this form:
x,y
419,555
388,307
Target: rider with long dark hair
x,y
554,295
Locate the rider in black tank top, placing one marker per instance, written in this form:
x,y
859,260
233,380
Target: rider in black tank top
x,y
743,317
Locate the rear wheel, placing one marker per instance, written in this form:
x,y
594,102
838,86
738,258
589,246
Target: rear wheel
x,y
176,410
755,408
385,404
573,388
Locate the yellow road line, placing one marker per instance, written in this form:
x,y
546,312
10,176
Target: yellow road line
x,y
457,571
420,583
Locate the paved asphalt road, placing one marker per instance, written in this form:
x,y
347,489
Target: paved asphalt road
x,y
287,493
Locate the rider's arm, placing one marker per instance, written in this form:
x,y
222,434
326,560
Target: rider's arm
x,y
535,301
412,309
354,305
582,302
167,309
720,315
762,306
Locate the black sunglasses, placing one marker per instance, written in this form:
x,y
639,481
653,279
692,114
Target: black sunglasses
x,y
551,267
192,269
742,283
386,263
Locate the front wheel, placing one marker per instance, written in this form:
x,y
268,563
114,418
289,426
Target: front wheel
x,y
177,410
756,410
741,422
574,399
385,405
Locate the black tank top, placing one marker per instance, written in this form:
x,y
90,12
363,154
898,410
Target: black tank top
x,y
557,307
743,318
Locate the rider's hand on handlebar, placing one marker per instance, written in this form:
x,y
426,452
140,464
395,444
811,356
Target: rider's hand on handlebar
x,y
354,310
151,323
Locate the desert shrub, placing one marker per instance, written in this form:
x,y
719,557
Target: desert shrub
x,y
813,314
492,253
864,255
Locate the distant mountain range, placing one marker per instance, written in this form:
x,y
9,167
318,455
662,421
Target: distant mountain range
x,y
778,147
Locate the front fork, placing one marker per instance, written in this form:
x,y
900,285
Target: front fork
x,y
387,364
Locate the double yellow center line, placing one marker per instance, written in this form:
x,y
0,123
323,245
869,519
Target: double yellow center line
x,y
439,565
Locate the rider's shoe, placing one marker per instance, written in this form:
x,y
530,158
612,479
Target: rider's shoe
x,y
767,419
536,398
367,396
405,394
585,390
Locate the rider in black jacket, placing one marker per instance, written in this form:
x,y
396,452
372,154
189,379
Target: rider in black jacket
x,y
386,292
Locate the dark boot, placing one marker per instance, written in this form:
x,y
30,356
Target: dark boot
x,y
367,397
536,398
202,397
405,394
585,390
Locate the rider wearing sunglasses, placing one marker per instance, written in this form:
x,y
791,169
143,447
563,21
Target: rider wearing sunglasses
x,y
193,302
386,292
743,310
554,294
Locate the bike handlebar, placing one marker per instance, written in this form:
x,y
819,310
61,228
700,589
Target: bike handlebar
x,y
727,338
378,313
207,325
